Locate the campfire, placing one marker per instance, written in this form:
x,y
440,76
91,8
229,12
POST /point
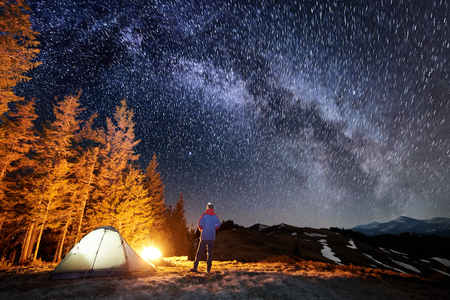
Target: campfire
x,y
151,253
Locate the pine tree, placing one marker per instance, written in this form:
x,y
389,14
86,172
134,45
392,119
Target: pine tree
x,y
168,247
86,146
49,198
155,188
90,144
133,213
59,137
18,135
120,199
117,159
85,175
17,48
179,229
18,132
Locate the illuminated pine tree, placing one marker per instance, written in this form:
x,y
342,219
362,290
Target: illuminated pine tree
x,y
85,175
134,216
90,143
59,136
18,132
117,159
17,48
51,193
18,135
51,199
155,189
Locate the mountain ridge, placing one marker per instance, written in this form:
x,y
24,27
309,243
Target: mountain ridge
x,y
403,224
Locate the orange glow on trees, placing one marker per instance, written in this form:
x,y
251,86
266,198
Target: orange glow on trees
x,y
63,181
17,48
155,191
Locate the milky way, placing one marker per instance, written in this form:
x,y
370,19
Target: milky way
x,y
312,113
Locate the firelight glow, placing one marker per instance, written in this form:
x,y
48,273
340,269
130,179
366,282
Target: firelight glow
x,y
150,253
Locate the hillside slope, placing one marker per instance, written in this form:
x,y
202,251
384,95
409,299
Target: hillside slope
x,y
259,243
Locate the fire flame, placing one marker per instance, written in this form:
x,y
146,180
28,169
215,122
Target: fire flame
x,y
150,253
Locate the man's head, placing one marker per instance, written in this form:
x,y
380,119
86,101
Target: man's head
x,y
209,206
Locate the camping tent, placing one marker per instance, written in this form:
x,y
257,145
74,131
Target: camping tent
x,y
101,253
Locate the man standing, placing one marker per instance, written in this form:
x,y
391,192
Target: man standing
x,y
208,224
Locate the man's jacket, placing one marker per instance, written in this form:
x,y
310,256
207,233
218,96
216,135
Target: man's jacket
x,y
208,224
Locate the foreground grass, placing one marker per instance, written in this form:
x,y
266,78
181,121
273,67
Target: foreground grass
x,y
278,278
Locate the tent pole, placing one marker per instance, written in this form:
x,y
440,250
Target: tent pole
x,y
96,253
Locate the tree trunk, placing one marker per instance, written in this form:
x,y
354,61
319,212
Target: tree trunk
x,y
42,230
81,218
26,243
61,246
55,257
12,257
34,235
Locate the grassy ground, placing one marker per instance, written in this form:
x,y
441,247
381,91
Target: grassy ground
x,y
279,278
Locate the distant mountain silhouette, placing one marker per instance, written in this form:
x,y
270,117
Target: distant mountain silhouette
x,y
437,226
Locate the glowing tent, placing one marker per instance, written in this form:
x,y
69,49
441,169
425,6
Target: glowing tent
x,y
101,253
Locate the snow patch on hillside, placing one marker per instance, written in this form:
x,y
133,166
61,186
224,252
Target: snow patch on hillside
x,y
352,244
327,253
443,261
398,252
312,234
384,265
442,272
406,266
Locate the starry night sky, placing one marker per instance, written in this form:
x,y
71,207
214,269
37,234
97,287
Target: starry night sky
x,y
311,113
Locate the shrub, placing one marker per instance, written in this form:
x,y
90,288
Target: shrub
x,y
4,263
283,259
